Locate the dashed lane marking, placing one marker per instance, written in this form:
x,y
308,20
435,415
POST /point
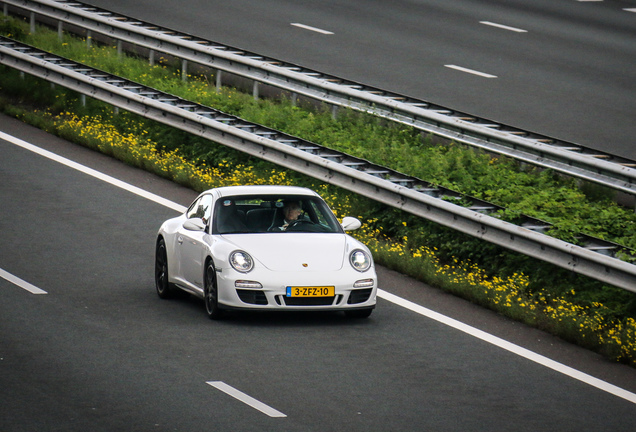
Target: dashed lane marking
x,y
505,27
313,29
471,71
21,283
246,399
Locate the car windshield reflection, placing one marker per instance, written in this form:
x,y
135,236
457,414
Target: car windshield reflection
x,y
273,214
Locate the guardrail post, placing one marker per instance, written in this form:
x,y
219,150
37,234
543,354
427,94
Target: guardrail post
x,y
255,90
294,99
119,49
6,9
151,58
32,22
219,72
184,70
60,30
334,112
83,99
89,39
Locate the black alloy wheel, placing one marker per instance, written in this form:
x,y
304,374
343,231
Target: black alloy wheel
x,y
211,293
165,290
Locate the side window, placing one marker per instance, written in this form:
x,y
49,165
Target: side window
x,y
316,211
201,208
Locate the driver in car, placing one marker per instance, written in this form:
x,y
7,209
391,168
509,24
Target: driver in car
x,y
291,213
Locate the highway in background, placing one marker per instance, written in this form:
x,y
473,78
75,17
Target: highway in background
x,y
562,68
86,344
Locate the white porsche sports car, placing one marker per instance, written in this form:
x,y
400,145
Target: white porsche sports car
x,y
265,248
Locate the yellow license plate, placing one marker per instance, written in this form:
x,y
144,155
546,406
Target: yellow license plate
x,y
320,291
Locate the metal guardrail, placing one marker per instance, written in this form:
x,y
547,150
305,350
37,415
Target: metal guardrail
x,y
568,158
596,258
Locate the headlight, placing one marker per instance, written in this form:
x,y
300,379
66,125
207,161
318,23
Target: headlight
x,y
360,260
241,261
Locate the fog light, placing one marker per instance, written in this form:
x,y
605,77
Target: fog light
x,y
364,283
247,284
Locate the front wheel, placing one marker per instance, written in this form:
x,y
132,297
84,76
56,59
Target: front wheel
x,y
165,289
211,293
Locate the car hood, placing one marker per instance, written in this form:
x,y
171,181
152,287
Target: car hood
x,y
294,251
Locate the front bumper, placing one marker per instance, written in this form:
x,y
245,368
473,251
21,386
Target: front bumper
x,y
272,294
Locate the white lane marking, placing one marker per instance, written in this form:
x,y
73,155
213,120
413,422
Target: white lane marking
x,y
630,9
86,170
458,325
310,28
246,399
505,27
21,283
509,346
471,71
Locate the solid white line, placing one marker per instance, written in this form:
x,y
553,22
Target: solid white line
x,y
501,26
246,399
101,176
21,283
470,71
458,325
630,9
509,346
314,29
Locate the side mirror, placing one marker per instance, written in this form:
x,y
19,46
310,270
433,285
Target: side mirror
x,y
195,224
350,223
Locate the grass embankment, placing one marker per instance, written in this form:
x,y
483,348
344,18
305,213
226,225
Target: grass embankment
x,y
579,309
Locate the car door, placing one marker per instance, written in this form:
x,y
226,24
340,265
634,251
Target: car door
x,y
190,241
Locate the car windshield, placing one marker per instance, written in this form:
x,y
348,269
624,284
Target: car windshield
x,y
273,214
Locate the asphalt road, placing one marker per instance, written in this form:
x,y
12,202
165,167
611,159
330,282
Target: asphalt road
x,y
101,352
561,68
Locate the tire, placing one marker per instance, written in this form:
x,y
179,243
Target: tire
x,y
211,293
358,313
165,289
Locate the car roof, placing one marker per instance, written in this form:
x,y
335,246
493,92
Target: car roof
x,y
262,189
